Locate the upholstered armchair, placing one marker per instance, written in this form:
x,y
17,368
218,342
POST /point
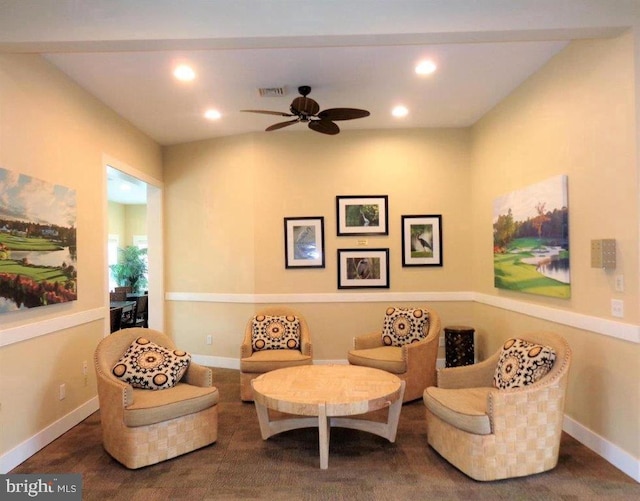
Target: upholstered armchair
x,y
145,426
502,417
275,338
407,346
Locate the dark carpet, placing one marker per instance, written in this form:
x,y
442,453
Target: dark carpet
x,y
362,466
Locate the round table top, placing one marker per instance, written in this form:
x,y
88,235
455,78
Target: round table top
x,y
344,389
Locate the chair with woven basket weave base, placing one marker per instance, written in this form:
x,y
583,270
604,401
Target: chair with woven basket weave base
x,y
407,346
502,417
275,338
145,426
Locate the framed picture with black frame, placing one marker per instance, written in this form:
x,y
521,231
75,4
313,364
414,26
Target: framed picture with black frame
x,y
363,269
304,242
362,215
422,240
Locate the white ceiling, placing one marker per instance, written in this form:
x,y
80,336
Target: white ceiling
x,y
353,53
470,80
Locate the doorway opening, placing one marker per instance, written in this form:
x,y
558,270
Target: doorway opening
x,y
134,218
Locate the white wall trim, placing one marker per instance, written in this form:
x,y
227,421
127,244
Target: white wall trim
x,y
611,328
342,297
50,325
23,451
234,363
622,460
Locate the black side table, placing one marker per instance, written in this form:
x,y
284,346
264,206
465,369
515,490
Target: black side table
x,y
458,345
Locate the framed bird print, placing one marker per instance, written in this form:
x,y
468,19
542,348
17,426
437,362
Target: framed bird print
x,y
362,215
422,240
361,269
304,242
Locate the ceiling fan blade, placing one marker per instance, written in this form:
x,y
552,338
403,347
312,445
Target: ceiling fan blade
x,y
265,112
342,114
280,125
304,105
324,126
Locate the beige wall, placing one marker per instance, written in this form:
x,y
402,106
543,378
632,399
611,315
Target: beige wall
x,y
116,221
127,220
574,117
135,221
226,200
53,130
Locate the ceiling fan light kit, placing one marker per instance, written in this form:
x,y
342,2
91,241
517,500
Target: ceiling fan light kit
x,y
306,110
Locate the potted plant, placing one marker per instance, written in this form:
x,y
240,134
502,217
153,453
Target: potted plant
x,y
131,268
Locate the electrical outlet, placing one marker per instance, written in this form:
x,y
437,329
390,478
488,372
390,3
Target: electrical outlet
x,y
209,339
617,308
619,283
62,391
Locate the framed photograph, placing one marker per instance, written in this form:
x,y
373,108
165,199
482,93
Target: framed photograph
x,y
360,269
422,240
304,242
362,215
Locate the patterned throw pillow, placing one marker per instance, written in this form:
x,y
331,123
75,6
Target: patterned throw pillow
x,y
404,325
522,363
151,367
275,333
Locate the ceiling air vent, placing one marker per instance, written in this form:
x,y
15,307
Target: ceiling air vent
x,y
272,91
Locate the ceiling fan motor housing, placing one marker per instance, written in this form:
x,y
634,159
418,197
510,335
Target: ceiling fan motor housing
x,y
304,106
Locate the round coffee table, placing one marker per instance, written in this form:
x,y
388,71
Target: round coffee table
x,y
328,393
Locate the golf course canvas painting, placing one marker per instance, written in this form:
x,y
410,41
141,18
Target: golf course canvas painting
x,y
37,242
531,239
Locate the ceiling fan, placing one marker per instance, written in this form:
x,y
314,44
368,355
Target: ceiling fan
x,y
306,110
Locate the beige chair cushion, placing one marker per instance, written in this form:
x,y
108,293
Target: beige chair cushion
x,y
263,361
151,407
386,358
465,409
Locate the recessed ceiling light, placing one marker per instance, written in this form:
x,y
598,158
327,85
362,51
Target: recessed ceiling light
x,y
426,67
212,114
184,73
400,111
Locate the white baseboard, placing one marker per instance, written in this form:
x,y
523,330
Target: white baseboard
x,y
610,452
28,448
234,363
219,362
343,361
622,460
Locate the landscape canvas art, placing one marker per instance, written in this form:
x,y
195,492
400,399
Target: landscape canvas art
x,y
531,239
37,242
